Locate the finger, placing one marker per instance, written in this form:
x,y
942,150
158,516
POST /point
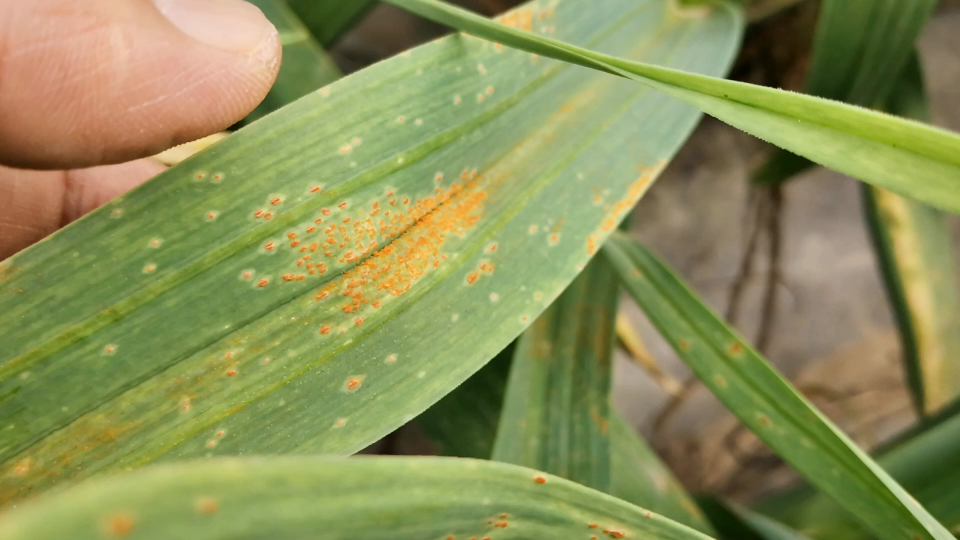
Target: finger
x,y
34,204
105,81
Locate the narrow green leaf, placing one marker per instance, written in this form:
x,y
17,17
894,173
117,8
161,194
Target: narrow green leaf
x,y
766,403
915,254
859,50
737,523
639,477
184,319
305,67
556,413
925,461
464,423
329,19
907,157
311,497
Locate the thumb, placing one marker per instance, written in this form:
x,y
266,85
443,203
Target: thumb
x,y
104,81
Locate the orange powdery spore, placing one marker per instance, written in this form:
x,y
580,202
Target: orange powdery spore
x,y
416,237
120,525
522,20
634,192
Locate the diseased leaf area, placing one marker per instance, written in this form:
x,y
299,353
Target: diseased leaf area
x,y
320,277
309,497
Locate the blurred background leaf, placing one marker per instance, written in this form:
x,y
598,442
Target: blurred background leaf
x,y
765,402
306,67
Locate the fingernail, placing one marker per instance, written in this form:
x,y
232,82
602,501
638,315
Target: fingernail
x,y
232,25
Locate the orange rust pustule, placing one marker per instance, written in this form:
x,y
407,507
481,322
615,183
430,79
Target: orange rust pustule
x,y
418,235
120,525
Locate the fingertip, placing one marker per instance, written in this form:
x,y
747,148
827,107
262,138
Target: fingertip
x,y
106,82
85,190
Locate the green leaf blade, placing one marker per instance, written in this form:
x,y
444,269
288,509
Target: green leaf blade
x,y
915,254
879,149
641,478
370,498
766,403
142,332
556,411
859,51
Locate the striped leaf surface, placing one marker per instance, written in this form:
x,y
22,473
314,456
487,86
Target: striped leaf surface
x,y
325,274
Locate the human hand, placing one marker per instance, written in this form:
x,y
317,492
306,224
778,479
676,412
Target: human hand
x,y
87,86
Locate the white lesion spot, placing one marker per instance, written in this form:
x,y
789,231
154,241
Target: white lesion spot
x,y
531,230
419,71
25,375
455,317
418,122
422,374
325,92
481,69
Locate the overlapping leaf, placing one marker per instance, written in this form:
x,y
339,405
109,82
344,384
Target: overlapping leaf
x,y
909,158
305,67
309,497
329,19
766,403
915,253
556,412
925,461
325,274
859,51
464,423
737,523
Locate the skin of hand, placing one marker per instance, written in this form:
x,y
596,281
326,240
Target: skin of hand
x,y
88,88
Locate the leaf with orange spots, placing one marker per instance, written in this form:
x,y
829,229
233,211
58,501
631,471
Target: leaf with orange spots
x,y
766,403
369,498
910,158
465,422
377,292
